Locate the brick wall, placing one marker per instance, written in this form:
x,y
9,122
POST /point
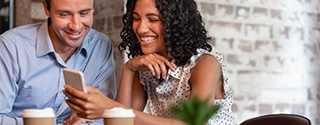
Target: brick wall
x,y
271,49
108,20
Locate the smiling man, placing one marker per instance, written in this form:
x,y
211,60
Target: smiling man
x,y
32,58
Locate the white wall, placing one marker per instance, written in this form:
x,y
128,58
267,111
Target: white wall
x,y
271,48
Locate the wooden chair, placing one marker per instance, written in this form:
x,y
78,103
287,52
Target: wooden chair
x,y
278,119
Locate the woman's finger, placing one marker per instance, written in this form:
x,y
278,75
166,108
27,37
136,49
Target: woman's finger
x,y
75,97
75,92
75,108
164,63
167,62
154,63
160,68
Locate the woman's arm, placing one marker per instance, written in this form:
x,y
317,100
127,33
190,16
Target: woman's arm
x,y
91,106
206,79
131,92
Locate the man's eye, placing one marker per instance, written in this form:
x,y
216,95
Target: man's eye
x,y
84,13
64,14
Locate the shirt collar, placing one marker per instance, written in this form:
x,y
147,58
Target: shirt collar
x,y
43,43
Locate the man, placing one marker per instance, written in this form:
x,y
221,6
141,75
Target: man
x,y
32,58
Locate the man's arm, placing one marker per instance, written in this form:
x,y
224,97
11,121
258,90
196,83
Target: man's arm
x,y
8,89
4,120
106,79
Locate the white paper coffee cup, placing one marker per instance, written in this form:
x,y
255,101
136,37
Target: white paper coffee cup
x,y
118,116
38,116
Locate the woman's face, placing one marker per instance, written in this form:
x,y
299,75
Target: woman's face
x,y
148,27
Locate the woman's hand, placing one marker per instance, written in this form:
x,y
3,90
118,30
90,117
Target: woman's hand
x,y
75,120
90,106
154,63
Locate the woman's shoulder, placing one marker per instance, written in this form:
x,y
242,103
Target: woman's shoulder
x,y
207,62
207,57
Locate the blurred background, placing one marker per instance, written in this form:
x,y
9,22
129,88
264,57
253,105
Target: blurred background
x,y
271,48
4,15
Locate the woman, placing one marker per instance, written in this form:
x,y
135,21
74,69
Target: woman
x,y
172,60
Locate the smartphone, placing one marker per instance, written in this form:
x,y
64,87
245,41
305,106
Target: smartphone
x,y
75,79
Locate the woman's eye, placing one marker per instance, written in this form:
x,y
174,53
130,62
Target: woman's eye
x,y
136,19
154,20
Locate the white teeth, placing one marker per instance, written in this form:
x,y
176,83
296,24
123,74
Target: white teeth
x,y
148,39
75,33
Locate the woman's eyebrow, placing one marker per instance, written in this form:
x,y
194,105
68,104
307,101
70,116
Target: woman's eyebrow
x,y
152,14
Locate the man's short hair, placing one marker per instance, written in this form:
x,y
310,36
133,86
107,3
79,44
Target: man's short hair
x,y
48,4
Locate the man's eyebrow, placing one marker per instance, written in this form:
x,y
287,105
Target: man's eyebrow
x,y
89,9
68,11
62,11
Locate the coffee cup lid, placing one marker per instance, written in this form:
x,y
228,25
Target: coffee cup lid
x,y
39,113
118,112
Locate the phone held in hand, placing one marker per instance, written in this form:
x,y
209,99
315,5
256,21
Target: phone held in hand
x,y
75,79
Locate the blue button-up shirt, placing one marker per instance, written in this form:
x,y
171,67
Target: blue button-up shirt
x,y
31,71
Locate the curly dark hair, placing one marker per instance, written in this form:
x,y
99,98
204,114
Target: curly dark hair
x,y
183,30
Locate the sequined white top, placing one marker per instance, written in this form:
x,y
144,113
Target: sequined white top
x,y
162,94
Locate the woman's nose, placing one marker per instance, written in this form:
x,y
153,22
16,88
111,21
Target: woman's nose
x,y
143,27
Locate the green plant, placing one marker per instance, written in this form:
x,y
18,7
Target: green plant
x,y
195,111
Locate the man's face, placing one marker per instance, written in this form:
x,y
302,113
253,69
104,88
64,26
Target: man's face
x,y
71,21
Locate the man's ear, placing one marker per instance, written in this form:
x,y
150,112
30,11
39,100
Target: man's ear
x,y
46,8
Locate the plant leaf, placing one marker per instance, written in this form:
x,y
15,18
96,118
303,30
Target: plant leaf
x,y
195,111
